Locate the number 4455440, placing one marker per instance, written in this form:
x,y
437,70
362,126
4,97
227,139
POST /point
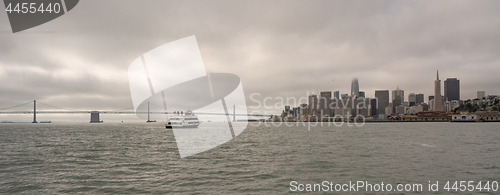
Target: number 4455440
x,y
471,186
32,8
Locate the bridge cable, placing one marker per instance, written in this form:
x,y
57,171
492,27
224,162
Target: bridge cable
x,y
55,106
17,105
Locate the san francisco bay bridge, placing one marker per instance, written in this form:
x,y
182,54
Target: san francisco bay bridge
x,y
10,110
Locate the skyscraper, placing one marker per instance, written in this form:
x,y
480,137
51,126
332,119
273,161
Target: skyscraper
x,y
373,106
451,89
296,112
361,94
438,98
383,100
419,98
412,99
324,104
313,104
400,93
336,94
354,88
431,97
395,103
304,110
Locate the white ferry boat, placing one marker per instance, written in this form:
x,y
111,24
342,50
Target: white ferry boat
x,y
188,120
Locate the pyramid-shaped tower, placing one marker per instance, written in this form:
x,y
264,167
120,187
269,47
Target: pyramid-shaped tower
x,y
438,98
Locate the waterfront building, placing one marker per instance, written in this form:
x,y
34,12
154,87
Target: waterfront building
x,y
464,117
451,89
428,116
488,116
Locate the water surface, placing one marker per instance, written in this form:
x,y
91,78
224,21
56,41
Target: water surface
x,y
143,158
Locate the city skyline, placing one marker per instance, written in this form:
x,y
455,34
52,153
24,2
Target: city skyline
x,y
381,107
82,65
319,104
413,97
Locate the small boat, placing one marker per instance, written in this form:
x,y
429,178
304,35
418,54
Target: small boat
x,y
188,120
45,121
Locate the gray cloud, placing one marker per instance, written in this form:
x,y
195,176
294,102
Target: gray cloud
x,y
278,48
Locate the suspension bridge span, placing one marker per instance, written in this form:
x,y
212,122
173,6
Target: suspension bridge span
x,y
122,111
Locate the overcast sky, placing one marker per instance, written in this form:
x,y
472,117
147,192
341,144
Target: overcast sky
x,y
277,48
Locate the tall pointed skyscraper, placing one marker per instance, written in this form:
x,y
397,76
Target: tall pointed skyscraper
x,y
355,87
438,99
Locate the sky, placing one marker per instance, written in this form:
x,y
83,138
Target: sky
x,y
80,60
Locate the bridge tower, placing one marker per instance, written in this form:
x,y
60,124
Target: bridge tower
x,y
94,117
34,111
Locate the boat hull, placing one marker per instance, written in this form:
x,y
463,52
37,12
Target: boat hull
x,y
181,126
